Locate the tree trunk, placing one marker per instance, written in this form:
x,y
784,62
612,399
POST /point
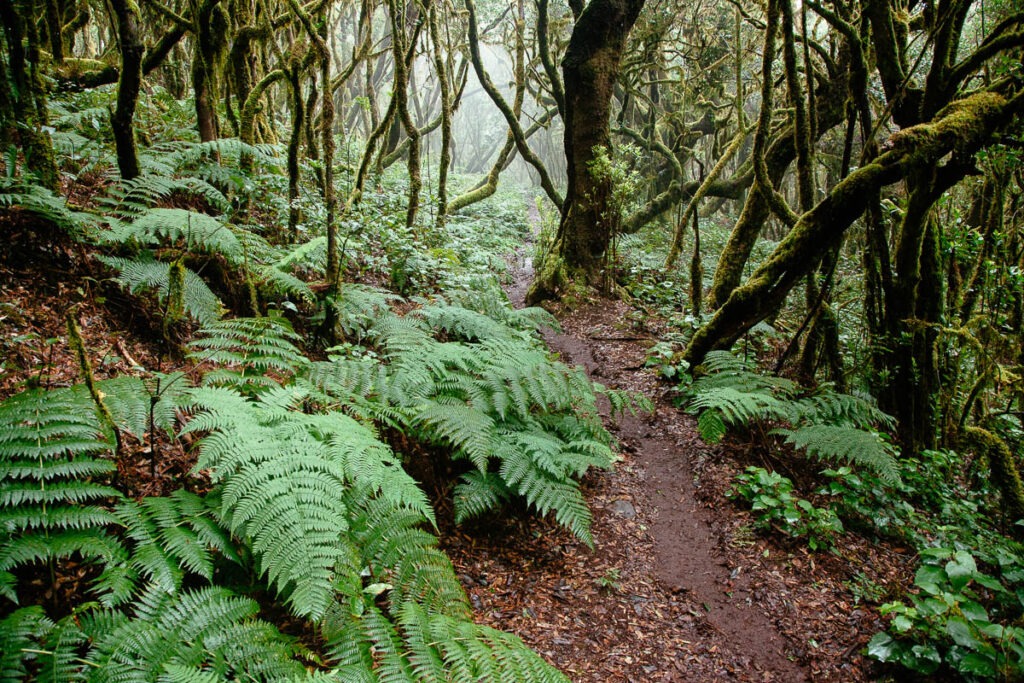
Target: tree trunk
x,y
589,71
23,106
122,121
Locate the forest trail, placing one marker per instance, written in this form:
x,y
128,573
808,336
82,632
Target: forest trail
x,y
674,602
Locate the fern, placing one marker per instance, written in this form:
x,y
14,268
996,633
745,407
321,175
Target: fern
x,y
210,628
47,206
197,231
852,445
144,274
172,535
249,351
826,425
738,407
133,198
469,651
50,499
20,632
400,553
284,476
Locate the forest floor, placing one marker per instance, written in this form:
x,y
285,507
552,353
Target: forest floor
x,y
678,586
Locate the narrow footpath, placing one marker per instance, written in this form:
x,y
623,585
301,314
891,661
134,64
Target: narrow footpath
x,y
678,587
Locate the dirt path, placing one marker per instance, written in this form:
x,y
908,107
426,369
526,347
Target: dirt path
x,y
684,543
676,589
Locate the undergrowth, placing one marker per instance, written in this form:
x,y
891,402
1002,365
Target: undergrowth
x,y
300,517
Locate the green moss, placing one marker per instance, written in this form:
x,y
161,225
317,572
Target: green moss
x,y
1005,474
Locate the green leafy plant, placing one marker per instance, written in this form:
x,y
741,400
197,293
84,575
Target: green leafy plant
x,y
945,623
776,507
828,425
664,358
490,395
305,501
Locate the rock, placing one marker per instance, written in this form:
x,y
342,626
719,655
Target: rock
x,y
623,508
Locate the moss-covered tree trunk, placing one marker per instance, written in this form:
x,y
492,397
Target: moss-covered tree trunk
x,y
126,15
23,113
964,126
212,29
589,71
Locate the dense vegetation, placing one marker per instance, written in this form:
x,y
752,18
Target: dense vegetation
x,y
330,324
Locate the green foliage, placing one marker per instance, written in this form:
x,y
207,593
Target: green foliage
x,y
332,522
46,206
946,624
489,394
147,274
206,629
174,534
664,358
774,506
827,425
260,352
51,491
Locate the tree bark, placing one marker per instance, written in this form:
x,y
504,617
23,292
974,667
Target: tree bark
x,y
589,71
963,127
122,122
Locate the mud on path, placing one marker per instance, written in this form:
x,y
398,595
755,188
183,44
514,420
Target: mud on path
x,y
677,587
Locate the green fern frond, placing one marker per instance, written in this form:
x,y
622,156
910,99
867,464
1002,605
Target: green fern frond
x,y
63,645
739,407
534,318
464,324
278,282
477,493
247,349
136,197
51,490
197,231
172,535
44,204
470,431
725,370
226,149
20,634
847,444
830,407
711,426
398,550
143,274
284,476
470,652
203,628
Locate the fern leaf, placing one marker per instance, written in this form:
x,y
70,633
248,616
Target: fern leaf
x,y
847,444
20,633
145,274
711,426
477,493
739,407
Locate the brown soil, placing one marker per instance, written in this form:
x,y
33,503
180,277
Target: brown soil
x,y
678,586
